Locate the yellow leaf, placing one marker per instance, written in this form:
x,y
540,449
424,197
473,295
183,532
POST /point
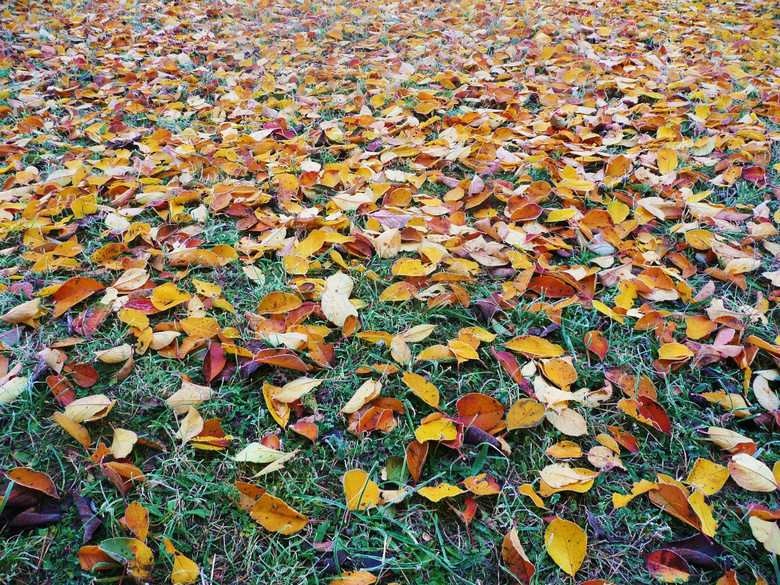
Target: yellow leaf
x,y
667,161
397,292
618,211
731,401
27,313
442,429
115,355
311,244
525,413
767,533
410,267
73,428
564,450
200,327
185,571
578,184
399,351
559,475
568,421
436,353
188,395
137,520
133,318
278,464
280,412
376,337
296,389
278,302
566,544
479,333
482,485
426,391
621,500
295,265
463,351
534,347
167,296
528,490
367,392
360,491
704,511
561,214
418,333
258,453
674,351
89,408
354,578
439,492
727,439
11,389
707,477
611,313
206,289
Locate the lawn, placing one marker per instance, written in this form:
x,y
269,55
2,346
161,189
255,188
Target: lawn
x,y
403,292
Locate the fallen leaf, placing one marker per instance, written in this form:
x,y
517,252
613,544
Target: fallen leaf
x,y
567,544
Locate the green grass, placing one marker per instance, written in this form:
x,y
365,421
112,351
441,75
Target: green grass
x,y
187,490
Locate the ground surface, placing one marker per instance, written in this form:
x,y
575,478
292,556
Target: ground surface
x,y
598,176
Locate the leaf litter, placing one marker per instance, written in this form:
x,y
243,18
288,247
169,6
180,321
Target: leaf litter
x,y
605,165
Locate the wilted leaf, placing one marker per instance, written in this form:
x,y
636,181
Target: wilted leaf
x,y
667,566
189,395
515,558
134,554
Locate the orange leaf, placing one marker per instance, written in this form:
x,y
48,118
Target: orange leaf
x,y
515,558
275,515
480,411
416,453
137,520
34,480
72,292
